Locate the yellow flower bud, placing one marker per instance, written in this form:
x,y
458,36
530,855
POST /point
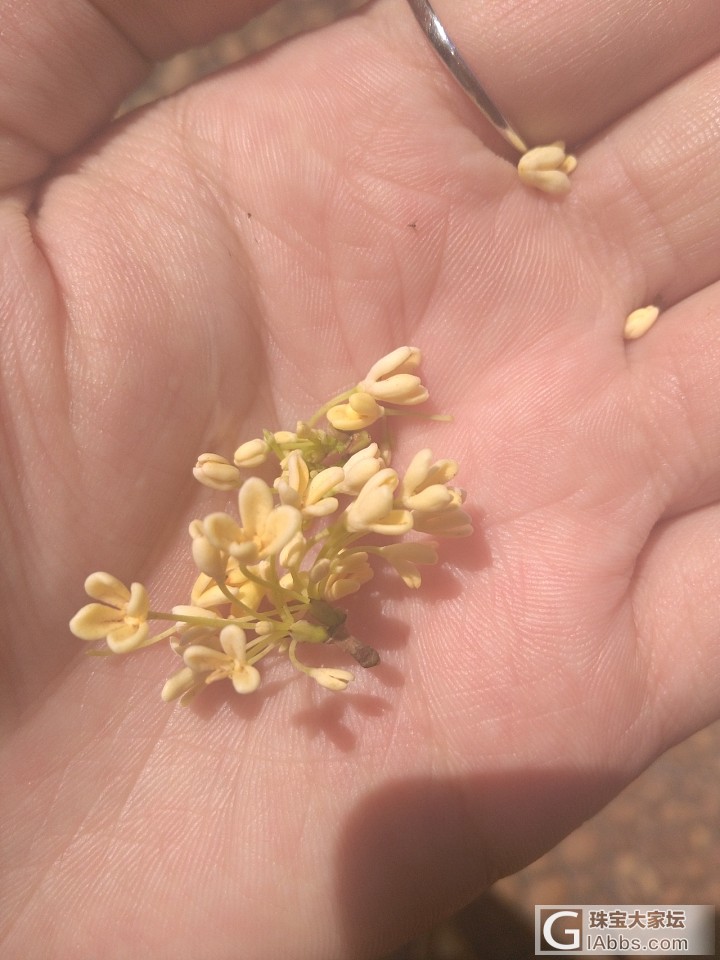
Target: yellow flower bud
x,y
359,412
391,379
215,471
639,322
252,453
547,168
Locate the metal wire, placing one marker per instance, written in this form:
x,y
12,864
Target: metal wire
x,y
451,57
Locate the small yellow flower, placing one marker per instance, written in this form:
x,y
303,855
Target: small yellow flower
x,y
405,557
120,617
639,322
206,593
547,168
342,575
292,551
230,662
264,528
392,380
360,411
318,501
373,509
311,496
423,486
358,469
215,471
252,453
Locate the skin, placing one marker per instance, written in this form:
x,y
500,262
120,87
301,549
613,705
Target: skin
x,y
227,260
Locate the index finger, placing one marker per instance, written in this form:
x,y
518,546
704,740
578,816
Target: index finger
x,y
66,66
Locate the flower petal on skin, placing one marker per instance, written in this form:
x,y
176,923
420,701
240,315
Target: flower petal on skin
x,y
639,322
332,678
392,378
233,641
453,522
430,499
405,557
202,659
245,678
403,388
547,168
126,637
400,360
179,684
107,589
422,472
94,621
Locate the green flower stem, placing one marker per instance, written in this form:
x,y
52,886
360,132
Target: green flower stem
x,y
196,621
294,660
438,417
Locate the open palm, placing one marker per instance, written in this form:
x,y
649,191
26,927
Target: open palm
x,y
228,259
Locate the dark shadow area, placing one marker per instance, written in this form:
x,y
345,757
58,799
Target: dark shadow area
x,y
487,929
415,852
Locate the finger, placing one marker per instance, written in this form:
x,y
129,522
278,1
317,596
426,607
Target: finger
x,y
567,71
677,614
64,68
674,371
654,181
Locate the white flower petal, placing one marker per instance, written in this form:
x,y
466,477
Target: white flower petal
x,y
245,679
255,502
280,526
216,472
331,677
178,684
403,359
94,621
126,637
107,589
232,640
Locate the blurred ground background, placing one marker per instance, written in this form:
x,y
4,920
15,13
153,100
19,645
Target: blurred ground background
x,y
659,842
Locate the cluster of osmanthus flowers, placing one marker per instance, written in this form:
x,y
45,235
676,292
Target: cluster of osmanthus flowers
x,y
274,577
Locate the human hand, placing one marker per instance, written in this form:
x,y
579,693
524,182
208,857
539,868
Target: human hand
x,y
227,259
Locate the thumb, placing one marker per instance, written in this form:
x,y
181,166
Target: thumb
x,y
66,65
